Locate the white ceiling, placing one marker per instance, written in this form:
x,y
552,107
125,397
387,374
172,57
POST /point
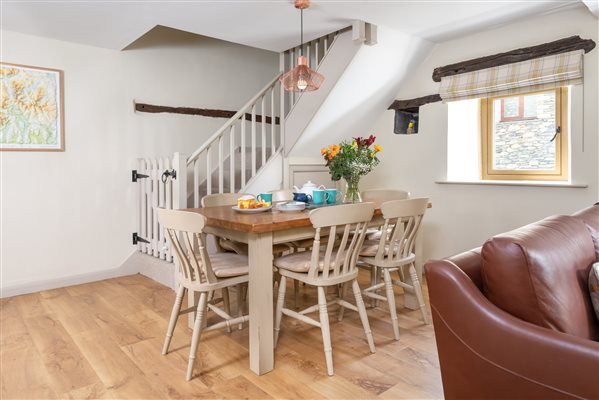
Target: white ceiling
x,y
267,24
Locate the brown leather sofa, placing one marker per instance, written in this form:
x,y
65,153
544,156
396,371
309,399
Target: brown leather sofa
x,y
513,319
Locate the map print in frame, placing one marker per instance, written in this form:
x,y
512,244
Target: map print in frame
x,y
31,116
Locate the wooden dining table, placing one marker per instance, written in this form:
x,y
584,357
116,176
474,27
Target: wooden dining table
x,y
260,231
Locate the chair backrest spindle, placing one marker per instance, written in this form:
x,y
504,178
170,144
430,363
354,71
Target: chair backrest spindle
x,y
353,220
404,217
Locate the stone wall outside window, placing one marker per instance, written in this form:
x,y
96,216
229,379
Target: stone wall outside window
x,y
525,144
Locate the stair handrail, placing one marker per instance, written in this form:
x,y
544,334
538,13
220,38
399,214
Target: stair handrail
x,y
232,120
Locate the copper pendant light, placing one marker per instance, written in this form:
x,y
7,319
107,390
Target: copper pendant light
x,y
301,78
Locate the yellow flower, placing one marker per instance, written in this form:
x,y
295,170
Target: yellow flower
x,y
377,148
372,153
354,143
323,151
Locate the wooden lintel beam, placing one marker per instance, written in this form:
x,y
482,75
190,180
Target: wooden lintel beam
x,y
204,112
413,104
526,53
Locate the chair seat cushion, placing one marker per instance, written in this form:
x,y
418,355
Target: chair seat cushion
x,y
371,247
228,265
300,262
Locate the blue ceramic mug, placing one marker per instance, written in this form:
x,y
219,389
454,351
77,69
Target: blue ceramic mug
x,y
303,197
319,196
333,196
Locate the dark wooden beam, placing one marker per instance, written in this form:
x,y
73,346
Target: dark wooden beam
x,y
526,53
412,105
204,112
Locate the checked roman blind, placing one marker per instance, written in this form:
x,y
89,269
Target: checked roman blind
x,y
541,73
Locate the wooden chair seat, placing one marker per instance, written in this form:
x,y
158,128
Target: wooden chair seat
x,y
228,265
300,262
371,247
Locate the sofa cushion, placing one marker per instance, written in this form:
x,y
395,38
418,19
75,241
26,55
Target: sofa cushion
x,y
590,216
539,273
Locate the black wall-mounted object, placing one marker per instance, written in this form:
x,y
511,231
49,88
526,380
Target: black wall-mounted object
x,y
135,176
138,239
406,122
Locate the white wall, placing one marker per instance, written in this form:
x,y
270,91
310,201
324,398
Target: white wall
x,y
464,216
72,213
367,86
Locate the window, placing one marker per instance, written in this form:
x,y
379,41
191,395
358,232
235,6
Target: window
x,y
524,137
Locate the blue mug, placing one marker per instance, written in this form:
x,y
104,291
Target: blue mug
x,y
303,197
333,196
319,196
267,197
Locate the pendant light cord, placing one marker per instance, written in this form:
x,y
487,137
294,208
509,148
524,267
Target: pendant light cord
x,y
301,32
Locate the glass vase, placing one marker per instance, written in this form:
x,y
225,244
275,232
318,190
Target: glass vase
x,y
352,191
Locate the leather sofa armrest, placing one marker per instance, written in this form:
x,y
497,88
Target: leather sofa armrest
x,y
486,353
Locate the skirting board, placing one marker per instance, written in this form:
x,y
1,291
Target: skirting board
x,y
149,266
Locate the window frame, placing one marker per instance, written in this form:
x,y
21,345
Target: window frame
x,y
560,173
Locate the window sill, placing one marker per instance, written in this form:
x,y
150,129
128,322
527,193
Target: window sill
x,y
516,183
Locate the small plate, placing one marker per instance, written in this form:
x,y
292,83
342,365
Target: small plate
x,y
292,206
251,210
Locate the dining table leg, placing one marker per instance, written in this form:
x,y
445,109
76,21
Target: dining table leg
x,y
260,302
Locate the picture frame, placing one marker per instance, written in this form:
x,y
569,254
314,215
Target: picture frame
x,y
32,112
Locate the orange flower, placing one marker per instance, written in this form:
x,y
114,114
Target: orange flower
x,y
377,148
334,149
323,151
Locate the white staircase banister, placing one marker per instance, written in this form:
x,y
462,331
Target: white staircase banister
x,y
232,120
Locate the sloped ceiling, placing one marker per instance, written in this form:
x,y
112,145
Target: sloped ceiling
x,y
267,24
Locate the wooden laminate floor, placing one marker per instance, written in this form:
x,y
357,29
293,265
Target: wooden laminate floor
x,y
104,340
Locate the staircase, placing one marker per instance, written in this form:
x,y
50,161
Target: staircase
x,y
246,154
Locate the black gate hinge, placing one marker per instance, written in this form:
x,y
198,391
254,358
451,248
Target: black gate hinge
x,y
138,239
135,176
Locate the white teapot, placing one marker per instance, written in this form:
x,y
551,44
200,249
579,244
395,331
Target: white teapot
x,y
308,188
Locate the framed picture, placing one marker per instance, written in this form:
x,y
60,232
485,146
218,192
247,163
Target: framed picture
x,y
32,113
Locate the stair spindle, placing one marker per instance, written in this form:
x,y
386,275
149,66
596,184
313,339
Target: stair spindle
x,y
208,171
196,183
243,152
253,138
232,159
272,121
263,138
221,185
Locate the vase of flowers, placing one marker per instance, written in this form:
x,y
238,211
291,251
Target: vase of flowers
x,y
351,161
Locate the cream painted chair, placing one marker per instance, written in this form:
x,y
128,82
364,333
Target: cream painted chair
x,y
394,252
332,266
199,273
380,196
